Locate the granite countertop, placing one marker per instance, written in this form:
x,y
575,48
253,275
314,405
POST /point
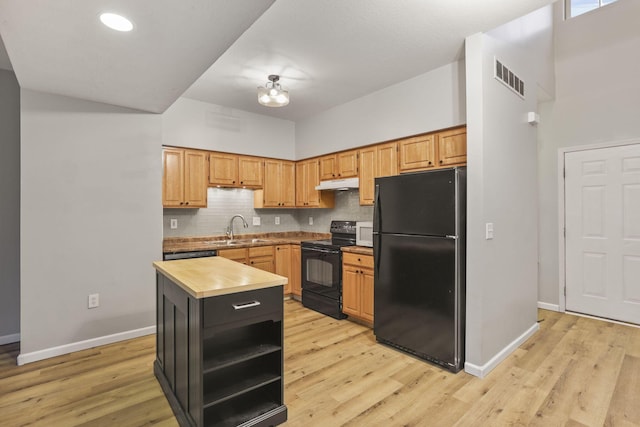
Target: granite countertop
x,y
215,276
200,243
362,250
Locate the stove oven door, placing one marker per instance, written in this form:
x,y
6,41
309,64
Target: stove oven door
x,y
322,271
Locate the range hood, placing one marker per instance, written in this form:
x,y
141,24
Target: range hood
x,y
339,184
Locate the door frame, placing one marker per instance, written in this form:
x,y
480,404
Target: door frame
x,y
562,152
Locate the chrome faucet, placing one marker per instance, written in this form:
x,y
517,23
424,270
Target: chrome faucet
x,y
229,232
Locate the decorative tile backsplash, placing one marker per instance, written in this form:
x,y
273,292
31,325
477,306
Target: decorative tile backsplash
x,y
223,203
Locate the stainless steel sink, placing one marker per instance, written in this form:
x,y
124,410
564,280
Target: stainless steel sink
x,y
235,242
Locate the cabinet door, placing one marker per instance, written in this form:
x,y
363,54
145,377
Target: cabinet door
x,y
367,159
238,254
263,263
366,297
387,159
250,171
296,270
301,185
452,147
417,153
287,184
312,179
271,183
328,167
173,177
195,179
223,169
283,264
347,164
350,291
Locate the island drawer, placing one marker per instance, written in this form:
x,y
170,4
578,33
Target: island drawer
x,y
241,306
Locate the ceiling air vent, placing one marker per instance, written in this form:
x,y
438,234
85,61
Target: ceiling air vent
x,y
508,78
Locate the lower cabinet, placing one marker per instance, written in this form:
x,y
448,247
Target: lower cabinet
x,y
256,256
357,286
283,264
220,359
296,271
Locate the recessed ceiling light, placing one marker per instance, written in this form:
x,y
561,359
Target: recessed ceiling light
x,y
116,22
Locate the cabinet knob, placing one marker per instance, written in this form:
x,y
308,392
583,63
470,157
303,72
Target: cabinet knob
x,y
233,182
186,203
429,162
441,161
359,260
241,182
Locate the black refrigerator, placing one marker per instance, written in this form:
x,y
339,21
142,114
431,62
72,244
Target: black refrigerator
x,y
419,229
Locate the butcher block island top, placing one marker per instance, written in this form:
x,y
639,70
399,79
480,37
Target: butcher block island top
x,y
215,276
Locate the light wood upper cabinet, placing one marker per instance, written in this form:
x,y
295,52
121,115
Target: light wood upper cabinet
x,y
279,185
223,169
367,157
375,161
348,164
417,153
387,159
307,178
328,167
452,147
250,171
184,177
439,149
339,165
283,264
231,170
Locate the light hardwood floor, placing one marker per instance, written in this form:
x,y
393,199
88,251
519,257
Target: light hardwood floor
x,y
574,372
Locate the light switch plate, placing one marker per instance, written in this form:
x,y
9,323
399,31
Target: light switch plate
x,y
277,220
310,220
488,231
256,220
174,223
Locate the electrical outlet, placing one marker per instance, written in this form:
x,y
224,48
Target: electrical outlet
x,y
256,220
174,223
310,220
277,220
94,301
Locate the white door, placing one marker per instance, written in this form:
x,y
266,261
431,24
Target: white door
x,y
602,208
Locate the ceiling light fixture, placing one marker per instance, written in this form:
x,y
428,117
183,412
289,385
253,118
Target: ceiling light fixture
x,y
116,22
272,94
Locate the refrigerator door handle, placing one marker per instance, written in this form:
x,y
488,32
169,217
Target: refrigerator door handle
x,y
449,236
377,213
376,256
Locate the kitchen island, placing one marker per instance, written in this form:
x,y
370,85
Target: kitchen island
x,y
219,348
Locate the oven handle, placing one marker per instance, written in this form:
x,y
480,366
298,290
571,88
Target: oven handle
x,y
325,251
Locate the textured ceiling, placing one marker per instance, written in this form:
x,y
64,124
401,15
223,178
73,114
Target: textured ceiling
x,y
328,52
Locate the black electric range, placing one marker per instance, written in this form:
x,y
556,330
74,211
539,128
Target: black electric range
x,y
322,269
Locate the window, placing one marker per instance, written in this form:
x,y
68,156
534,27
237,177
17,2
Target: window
x,y
578,7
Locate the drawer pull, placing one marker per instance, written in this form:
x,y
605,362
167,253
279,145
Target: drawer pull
x,y
244,305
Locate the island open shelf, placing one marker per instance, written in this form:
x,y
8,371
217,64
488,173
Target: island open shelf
x,y
219,358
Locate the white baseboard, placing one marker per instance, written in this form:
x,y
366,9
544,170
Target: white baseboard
x,y
482,371
547,306
8,339
83,345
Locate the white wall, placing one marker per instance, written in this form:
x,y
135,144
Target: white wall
x,y
431,101
10,208
197,124
502,189
597,100
91,222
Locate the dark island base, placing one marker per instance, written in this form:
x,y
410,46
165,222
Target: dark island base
x,y
273,417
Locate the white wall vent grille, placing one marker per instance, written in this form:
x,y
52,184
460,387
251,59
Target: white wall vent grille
x,y
508,78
